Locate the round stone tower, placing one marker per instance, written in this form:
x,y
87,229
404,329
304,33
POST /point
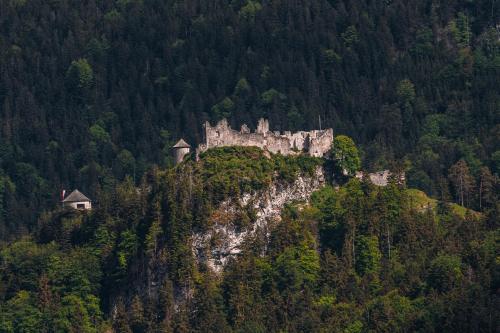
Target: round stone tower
x,y
181,148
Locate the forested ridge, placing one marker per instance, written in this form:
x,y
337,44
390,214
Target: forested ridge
x,y
359,258
92,91
93,94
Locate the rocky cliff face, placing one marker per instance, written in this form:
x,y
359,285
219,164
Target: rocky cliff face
x,y
226,235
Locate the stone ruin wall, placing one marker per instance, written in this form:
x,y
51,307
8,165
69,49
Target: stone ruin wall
x,y
381,178
315,143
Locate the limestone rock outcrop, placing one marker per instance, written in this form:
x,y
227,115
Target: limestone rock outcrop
x,y
225,237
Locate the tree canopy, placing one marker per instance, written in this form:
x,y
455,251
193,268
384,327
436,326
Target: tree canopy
x,y
83,83
345,154
357,258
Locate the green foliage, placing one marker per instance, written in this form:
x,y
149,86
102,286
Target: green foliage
x,y
250,10
495,158
208,300
391,313
76,273
80,74
424,43
297,266
355,327
74,315
406,92
227,171
331,57
271,96
126,163
350,36
152,237
245,60
295,119
18,3
20,314
445,272
49,289
223,109
242,87
126,248
125,3
24,262
99,134
460,30
369,256
93,91
7,188
98,48
359,257
114,18
231,169
345,154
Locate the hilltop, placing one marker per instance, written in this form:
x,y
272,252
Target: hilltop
x,y
94,91
113,97
247,241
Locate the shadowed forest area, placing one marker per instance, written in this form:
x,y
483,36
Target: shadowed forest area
x,y
93,94
359,258
92,91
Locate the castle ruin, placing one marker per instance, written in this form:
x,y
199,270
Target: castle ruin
x,y
314,143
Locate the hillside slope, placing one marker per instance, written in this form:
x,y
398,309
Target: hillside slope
x,y
93,91
356,258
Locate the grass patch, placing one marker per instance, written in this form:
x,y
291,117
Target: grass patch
x,y
420,201
230,171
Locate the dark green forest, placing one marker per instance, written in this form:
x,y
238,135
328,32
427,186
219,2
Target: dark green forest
x,y
359,258
93,91
93,94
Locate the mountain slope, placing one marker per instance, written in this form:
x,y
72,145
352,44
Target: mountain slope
x,y
357,257
92,91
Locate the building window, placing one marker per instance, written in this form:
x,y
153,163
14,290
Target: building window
x,y
80,206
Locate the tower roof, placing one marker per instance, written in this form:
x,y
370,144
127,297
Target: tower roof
x,y
181,144
76,196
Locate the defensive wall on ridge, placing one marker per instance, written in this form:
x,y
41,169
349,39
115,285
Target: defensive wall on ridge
x,y
314,143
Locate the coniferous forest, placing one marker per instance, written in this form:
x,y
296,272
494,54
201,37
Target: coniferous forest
x,y
93,94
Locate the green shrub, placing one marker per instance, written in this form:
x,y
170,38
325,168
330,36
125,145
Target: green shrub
x,y
228,171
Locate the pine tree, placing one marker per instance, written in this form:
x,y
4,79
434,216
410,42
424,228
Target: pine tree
x,y
166,306
136,315
121,322
486,188
462,181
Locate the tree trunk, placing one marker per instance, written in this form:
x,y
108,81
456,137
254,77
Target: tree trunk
x,y
481,194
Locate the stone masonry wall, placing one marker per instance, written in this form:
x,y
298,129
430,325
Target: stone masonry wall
x,y
315,143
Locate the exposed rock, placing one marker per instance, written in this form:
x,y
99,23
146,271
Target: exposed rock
x,y
380,178
315,143
225,237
